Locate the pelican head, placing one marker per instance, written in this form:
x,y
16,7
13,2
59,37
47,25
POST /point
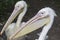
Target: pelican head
x,y
46,11
19,5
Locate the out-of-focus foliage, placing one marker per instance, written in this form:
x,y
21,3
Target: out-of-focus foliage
x,y
6,7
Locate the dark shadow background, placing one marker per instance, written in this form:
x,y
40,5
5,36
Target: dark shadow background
x,y
7,6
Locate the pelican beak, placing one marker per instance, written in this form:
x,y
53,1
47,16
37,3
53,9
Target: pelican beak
x,y
33,24
15,12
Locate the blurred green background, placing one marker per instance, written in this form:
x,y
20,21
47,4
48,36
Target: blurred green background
x,y
7,6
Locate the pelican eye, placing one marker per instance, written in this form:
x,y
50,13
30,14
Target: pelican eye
x,y
17,6
42,13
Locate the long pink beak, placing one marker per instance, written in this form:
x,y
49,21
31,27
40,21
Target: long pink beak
x,y
35,18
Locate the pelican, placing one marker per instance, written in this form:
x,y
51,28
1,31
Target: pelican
x,y
20,7
51,14
18,29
